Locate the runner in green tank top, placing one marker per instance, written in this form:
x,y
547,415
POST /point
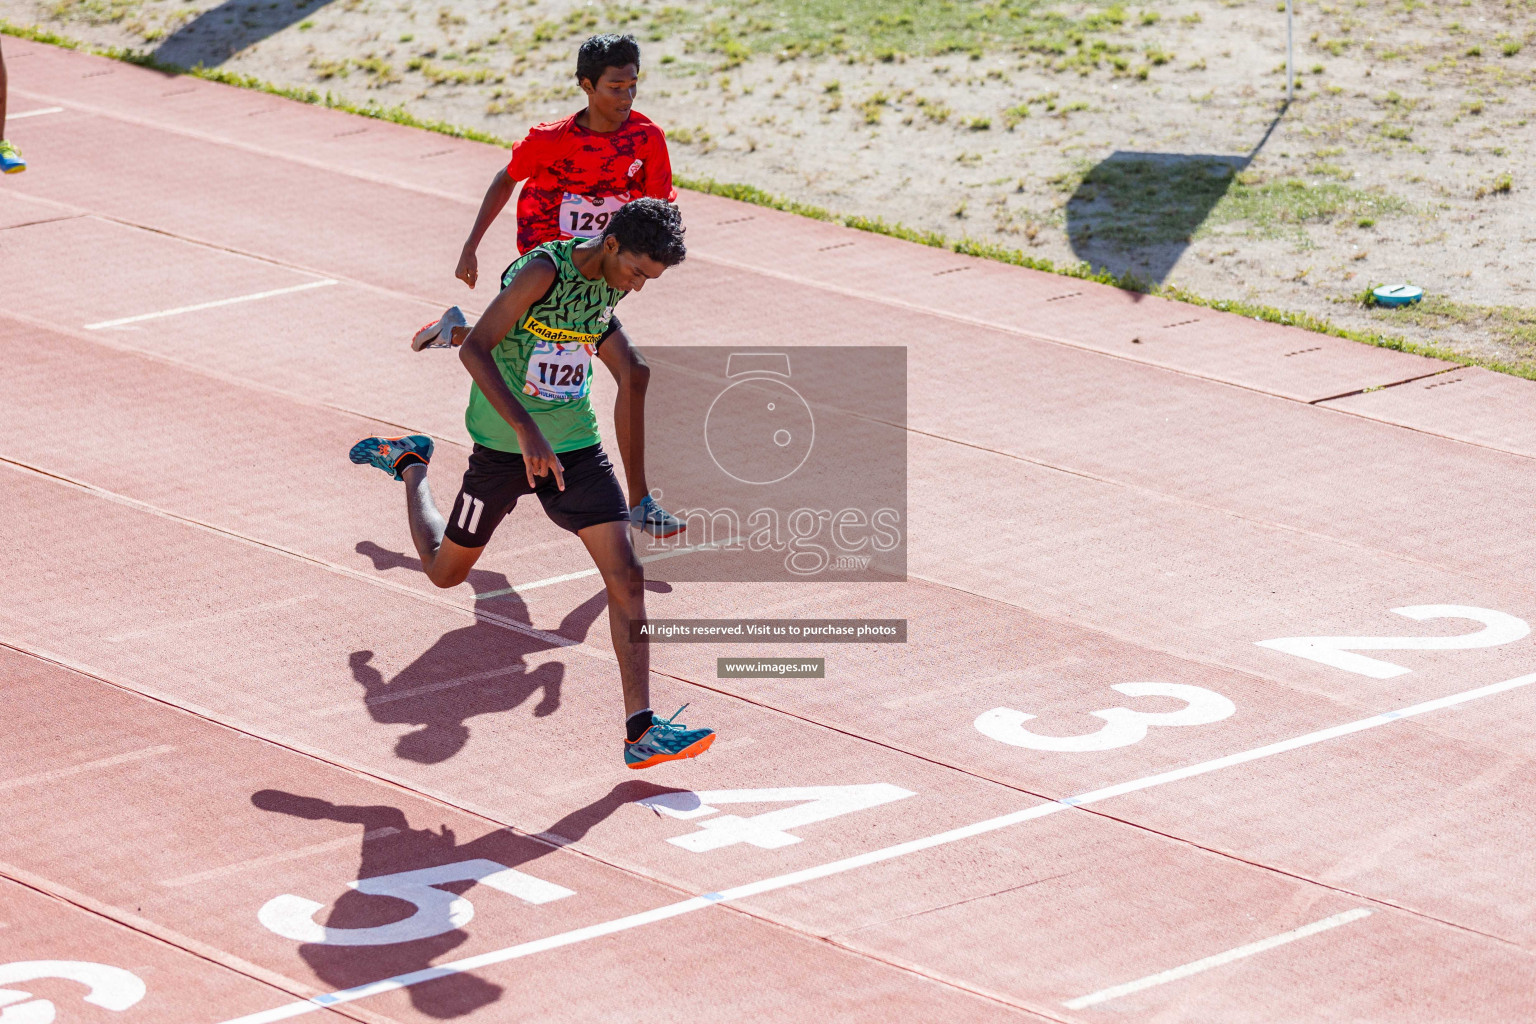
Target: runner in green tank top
x,y
531,358
546,360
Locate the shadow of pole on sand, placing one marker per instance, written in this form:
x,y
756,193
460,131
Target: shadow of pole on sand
x,y
216,35
1136,213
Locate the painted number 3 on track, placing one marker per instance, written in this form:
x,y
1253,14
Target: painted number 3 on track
x,y
1123,726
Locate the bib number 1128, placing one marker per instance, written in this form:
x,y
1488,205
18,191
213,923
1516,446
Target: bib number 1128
x,y
562,375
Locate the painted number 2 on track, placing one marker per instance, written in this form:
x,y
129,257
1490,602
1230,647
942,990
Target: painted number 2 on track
x,y
1339,651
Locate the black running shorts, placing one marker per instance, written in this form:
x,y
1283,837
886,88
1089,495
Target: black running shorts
x,y
496,479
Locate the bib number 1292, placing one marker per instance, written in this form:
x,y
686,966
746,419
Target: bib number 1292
x,y
587,216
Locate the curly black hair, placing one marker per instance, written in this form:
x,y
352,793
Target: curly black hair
x,y
650,227
600,53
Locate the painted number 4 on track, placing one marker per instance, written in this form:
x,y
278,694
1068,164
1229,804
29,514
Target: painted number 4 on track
x,y
1124,726
769,830
438,910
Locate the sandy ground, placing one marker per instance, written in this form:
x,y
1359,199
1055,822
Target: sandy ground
x,y
1405,157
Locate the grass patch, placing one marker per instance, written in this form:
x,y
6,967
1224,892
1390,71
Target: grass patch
x,y
1499,186
884,30
1013,115
1319,325
379,70
94,12
1277,208
872,107
438,74
934,110
1511,325
325,69
1327,170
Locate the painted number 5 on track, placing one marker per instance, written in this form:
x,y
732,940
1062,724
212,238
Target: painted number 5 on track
x,y
106,986
437,910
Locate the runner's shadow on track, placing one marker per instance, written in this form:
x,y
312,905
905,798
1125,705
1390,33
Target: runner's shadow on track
x,y
481,669
390,845
1136,213
219,33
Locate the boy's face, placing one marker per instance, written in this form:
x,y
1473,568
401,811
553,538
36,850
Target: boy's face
x,y
613,94
625,270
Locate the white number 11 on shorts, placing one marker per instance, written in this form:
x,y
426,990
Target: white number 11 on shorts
x,y
470,510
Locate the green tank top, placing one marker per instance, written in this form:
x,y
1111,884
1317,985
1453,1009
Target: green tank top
x,y
546,359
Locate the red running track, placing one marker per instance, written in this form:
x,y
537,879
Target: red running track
x,y
255,768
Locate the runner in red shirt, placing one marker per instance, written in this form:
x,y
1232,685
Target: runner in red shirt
x,y
574,176
575,173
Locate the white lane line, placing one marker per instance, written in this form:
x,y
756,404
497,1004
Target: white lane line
x,y
471,963
88,766
372,579
39,112
234,613
584,573
861,860
1104,995
120,321
536,584
278,858
389,696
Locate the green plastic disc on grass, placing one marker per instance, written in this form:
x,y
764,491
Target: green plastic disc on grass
x,y
1397,294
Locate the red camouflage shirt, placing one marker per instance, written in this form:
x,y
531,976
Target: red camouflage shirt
x,y
574,178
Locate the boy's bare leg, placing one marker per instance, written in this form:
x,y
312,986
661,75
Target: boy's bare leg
x,y
446,564
633,375
614,556
2,94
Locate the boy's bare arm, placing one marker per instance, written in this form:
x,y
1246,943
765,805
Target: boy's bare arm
x,y
490,207
504,312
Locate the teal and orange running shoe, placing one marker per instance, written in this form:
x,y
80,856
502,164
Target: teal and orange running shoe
x,y
665,740
390,453
10,159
